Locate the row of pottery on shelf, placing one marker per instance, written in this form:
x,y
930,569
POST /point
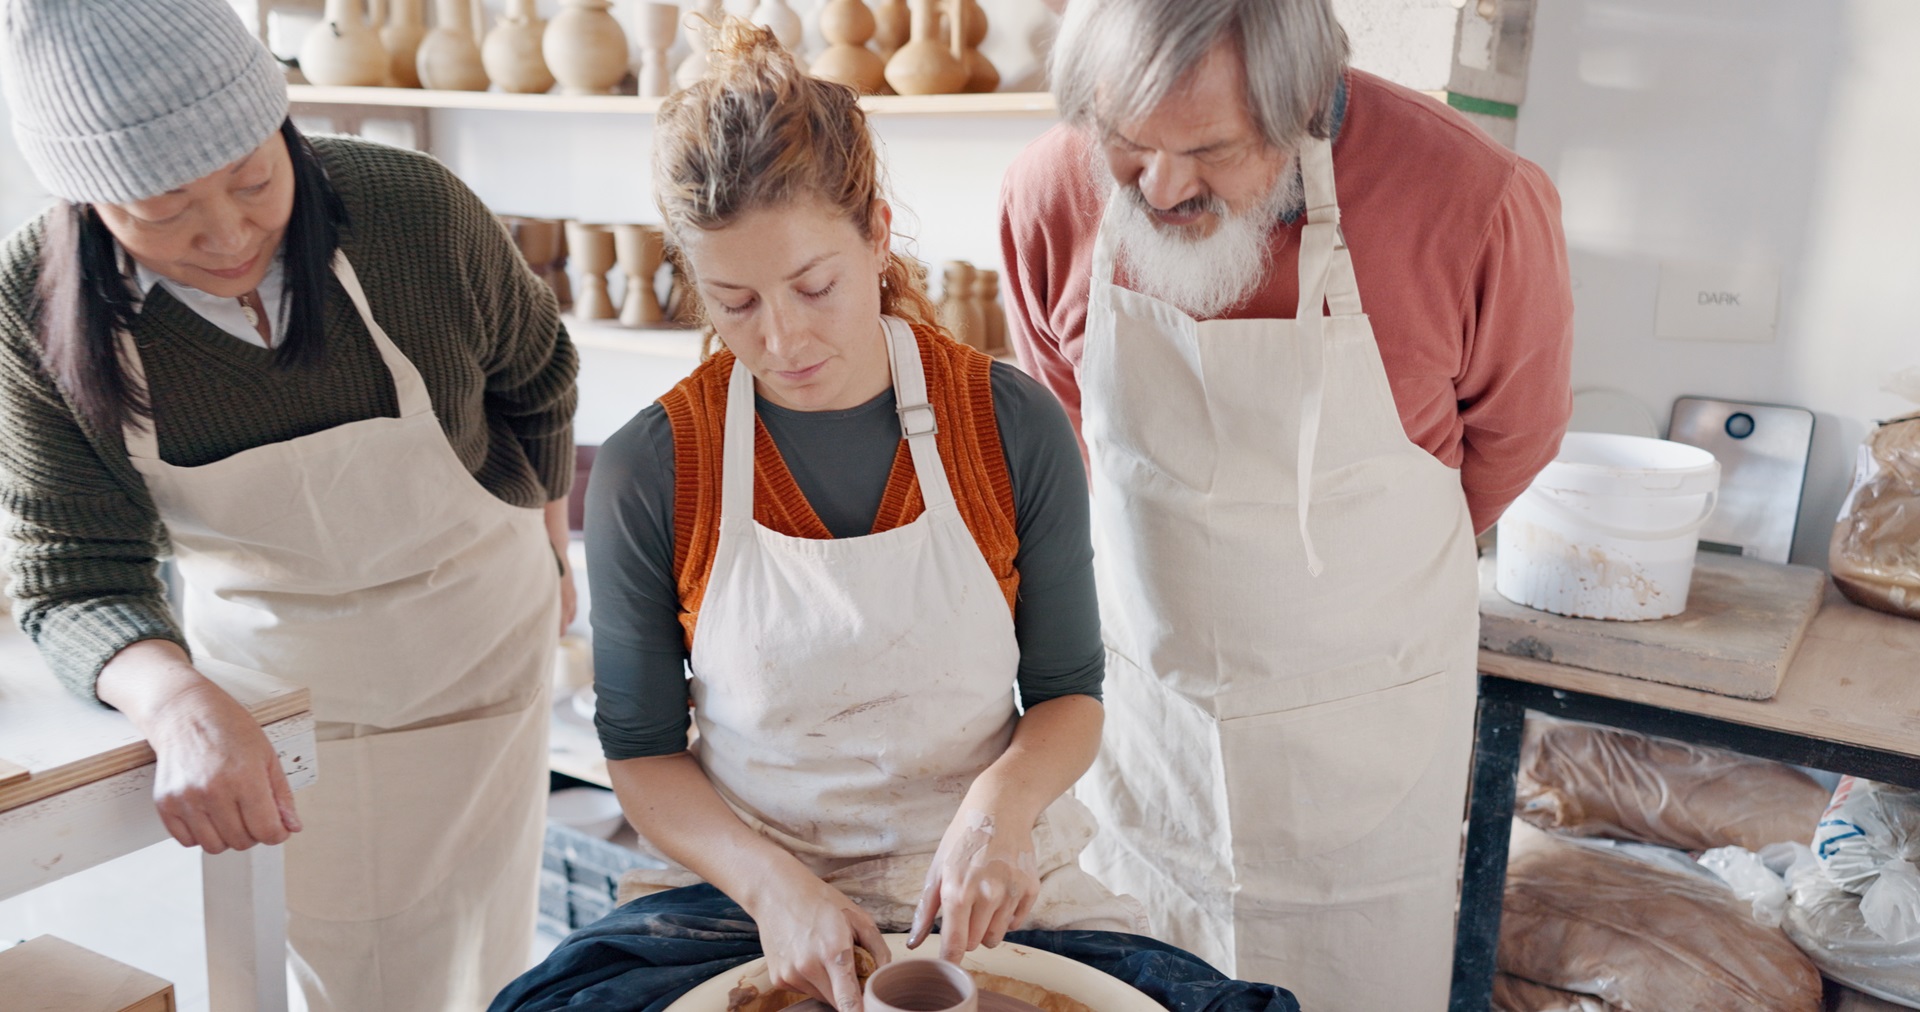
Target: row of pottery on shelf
x,y
970,307
582,48
638,251
931,49
935,50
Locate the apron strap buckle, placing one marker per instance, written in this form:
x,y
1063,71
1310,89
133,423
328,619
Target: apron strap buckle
x,y
908,421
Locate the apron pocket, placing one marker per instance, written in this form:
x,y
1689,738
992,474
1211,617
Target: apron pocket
x,y
395,816
1308,781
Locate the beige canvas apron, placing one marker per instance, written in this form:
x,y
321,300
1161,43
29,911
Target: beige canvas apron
x,y
365,563
848,691
1283,777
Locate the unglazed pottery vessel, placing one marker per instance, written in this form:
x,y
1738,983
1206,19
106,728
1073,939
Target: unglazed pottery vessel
x,y
344,48
591,247
406,26
928,64
511,53
785,24
586,48
847,25
892,25
655,26
640,249
700,22
981,73
921,985
449,57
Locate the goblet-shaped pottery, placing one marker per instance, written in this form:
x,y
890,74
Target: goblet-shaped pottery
x,y
702,23
655,26
344,48
639,249
586,48
847,25
449,57
592,249
511,53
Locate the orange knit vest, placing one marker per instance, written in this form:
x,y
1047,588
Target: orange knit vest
x,y
969,440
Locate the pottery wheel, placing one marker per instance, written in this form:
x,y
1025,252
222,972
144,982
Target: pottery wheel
x,y
990,1001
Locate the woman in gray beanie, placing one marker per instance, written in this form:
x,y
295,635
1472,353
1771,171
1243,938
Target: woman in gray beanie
x,y
319,372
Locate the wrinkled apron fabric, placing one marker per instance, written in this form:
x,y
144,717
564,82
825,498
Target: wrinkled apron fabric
x,y
848,691
365,563
1288,594
644,956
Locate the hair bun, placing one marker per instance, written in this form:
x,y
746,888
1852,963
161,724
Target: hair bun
x,y
742,48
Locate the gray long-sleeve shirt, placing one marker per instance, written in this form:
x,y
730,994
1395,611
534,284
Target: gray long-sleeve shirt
x,y
841,461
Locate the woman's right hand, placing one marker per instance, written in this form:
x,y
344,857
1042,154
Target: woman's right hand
x,y
217,780
809,930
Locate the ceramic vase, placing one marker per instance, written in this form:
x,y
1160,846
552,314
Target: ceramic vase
x,y
655,26
958,314
511,53
993,316
540,243
406,26
344,48
449,58
847,25
586,48
640,249
591,247
780,18
981,73
701,24
892,25
927,64
933,985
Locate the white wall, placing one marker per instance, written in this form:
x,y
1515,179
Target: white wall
x,y
1773,131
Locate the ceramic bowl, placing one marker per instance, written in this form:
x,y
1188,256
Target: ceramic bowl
x,y
591,810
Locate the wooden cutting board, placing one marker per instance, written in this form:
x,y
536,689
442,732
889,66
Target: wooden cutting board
x,y
1743,623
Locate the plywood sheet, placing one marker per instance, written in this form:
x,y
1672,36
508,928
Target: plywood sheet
x,y
1744,622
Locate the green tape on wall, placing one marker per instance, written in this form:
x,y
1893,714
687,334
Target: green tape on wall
x,y
1483,106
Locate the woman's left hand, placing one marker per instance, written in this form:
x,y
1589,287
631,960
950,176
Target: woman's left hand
x,y
983,883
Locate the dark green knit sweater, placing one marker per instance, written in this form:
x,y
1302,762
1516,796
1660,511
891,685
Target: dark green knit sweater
x,y
445,282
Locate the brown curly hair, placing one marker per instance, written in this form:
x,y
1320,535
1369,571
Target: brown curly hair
x,y
758,131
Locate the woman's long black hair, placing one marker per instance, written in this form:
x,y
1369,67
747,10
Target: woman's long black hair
x,y
87,295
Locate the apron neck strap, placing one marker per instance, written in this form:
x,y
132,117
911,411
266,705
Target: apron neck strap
x,y
409,389
917,421
917,425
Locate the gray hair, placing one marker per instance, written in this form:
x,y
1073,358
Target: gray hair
x,y
1116,60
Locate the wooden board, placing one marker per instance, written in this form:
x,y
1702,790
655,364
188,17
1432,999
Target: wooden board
x,y
53,973
65,741
1744,622
12,773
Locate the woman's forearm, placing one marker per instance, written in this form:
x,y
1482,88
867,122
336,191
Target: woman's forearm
x,y
1053,744
671,802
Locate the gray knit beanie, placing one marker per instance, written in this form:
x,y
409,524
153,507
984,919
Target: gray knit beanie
x,y
119,100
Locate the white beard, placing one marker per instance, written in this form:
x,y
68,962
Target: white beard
x,y
1202,277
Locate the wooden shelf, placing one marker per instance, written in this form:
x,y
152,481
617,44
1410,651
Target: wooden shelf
x,y
1003,103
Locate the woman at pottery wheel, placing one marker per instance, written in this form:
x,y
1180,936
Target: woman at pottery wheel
x,y
869,546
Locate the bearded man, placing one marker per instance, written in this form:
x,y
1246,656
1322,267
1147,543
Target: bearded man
x,y
1299,408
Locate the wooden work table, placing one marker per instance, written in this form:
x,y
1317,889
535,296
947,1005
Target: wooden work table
x,y
76,790
1850,703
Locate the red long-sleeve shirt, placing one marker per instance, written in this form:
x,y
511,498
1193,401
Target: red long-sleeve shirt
x,y
1457,246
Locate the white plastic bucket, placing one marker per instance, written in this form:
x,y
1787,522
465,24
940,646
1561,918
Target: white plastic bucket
x,y
1608,529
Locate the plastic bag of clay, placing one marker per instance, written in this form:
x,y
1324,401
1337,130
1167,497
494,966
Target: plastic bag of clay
x,y
1868,844
1513,994
1643,936
1750,879
1825,921
1875,552
1586,780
